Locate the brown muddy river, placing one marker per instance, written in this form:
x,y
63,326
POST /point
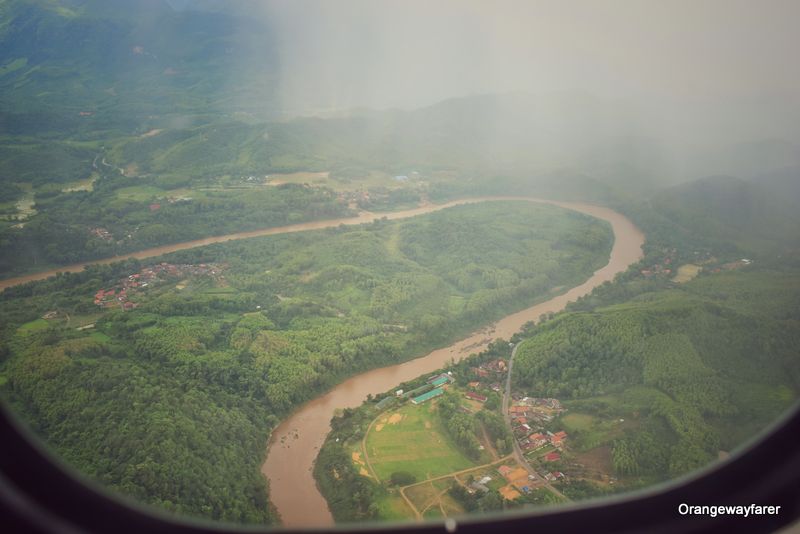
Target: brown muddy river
x,y
295,442
363,217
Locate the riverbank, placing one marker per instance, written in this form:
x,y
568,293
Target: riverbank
x,y
295,442
300,436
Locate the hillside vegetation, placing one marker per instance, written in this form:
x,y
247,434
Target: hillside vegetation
x,y
172,402
703,367
758,216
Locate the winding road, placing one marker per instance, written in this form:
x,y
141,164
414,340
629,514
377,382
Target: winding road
x,y
518,454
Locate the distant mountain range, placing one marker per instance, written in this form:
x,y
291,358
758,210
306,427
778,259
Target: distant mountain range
x,y
69,64
106,69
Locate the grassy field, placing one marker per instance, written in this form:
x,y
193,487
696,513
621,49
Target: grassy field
x,y
299,178
33,326
139,192
370,179
100,337
392,507
423,495
411,439
686,273
589,431
578,421
86,184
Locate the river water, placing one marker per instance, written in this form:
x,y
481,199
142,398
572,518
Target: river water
x,y
295,443
363,217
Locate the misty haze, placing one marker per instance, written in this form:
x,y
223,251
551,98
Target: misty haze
x,y
311,263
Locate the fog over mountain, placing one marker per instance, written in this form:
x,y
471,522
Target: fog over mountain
x,y
224,224
703,85
667,92
414,53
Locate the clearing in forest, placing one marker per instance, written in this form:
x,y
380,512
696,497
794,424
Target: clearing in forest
x,y
412,440
686,273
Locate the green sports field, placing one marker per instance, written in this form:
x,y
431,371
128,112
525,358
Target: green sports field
x,y
410,439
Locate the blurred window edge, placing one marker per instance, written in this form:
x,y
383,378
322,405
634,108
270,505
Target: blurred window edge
x,y
39,494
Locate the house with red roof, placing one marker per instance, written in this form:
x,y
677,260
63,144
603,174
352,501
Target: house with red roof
x,y
552,457
475,396
538,439
504,470
483,373
558,438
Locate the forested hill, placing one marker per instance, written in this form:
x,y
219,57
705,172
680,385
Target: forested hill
x,y
108,64
695,369
757,215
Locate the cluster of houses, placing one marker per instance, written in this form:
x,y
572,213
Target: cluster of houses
x,y
493,368
552,476
101,233
528,416
104,234
489,375
155,206
733,265
109,298
534,410
518,481
664,266
354,199
120,294
537,439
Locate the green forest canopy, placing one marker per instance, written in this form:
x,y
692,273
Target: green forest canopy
x,y
708,364
172,402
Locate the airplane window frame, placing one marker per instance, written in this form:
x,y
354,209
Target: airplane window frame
x,y
39,494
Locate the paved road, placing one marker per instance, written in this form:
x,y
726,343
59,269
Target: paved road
x,y
520,457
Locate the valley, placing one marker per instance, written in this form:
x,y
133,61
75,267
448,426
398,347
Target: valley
x,y
346,265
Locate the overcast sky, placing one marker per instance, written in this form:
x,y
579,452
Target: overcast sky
x,y
406,53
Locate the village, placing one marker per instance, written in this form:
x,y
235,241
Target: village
x,y
120,294
407,436
530,418
702,262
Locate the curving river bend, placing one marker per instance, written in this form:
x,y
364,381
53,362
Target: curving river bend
x,y
295,442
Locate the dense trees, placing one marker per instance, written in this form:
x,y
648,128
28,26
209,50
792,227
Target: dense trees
x,y
460,426
698,368
350,496
497,429
487,502
172,402
163,434
60,233
707,363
